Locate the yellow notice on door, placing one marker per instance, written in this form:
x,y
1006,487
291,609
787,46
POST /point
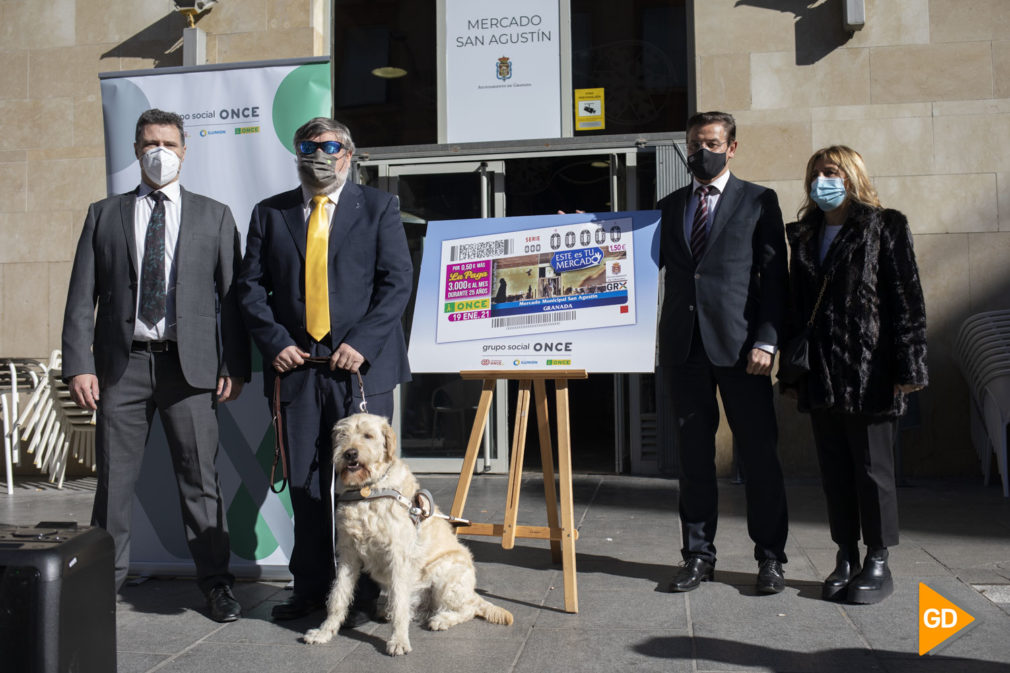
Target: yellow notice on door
x,y
939,619
589,112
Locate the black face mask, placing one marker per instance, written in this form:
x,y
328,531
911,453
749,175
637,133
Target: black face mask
x,y
705,165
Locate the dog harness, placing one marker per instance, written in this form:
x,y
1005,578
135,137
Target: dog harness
x,y
419,508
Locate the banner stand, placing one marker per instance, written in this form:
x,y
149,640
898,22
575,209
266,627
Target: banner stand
x,y
562,536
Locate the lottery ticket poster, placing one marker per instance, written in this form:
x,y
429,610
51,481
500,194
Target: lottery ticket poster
x,y
574,291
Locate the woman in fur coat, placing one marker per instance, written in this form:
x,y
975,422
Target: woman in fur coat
x,y
867,352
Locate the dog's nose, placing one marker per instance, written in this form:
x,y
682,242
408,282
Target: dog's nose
x,y
351,455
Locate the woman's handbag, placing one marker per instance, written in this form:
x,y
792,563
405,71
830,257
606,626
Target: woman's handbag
x,y
794,358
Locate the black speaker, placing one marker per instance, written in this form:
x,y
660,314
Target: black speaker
x,y
57,599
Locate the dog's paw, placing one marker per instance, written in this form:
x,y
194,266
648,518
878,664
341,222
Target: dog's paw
x,y
439,622
397,646
317,636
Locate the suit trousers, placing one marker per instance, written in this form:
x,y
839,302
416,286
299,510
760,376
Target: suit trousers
x,y
309,418
750,411
855,453
154,381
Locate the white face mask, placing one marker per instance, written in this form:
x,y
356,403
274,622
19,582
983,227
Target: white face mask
x,y
160,165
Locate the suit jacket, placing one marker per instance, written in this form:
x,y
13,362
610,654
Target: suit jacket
x,y
870,329
737,293
370,275
209,330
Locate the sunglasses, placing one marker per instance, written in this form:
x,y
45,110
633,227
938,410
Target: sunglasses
x,y
327,146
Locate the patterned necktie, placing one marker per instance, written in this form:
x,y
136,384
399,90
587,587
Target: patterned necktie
x,y
699,227
152,268
317,296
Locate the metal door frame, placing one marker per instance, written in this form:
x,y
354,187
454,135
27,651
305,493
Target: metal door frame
x,y
492,202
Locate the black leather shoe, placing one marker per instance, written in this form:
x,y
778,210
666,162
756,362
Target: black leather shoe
x,y
360,612
222,604
771,578
296,606
691,573
846,567
873,584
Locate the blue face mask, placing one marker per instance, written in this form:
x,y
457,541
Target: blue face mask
x,y
828,193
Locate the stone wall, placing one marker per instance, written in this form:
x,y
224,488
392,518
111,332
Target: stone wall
x,y
923,93
52,161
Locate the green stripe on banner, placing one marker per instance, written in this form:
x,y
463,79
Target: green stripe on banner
x,y
249,542
250,533
303,94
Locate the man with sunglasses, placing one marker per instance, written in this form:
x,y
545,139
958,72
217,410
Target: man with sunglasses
x,y
327,274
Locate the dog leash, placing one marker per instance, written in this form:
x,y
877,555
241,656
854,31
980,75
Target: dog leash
x,y
278,423
419,508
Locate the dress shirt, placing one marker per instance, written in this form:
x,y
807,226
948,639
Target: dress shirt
x,y
330,205
165,329
713,202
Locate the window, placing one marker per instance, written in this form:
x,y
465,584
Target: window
x,y
637,52
385,71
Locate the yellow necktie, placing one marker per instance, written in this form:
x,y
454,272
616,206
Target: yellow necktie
x,y
317,296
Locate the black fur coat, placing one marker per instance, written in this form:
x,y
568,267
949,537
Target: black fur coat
x,y
870,330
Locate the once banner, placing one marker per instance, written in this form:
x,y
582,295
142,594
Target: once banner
x,y
574,291
240,121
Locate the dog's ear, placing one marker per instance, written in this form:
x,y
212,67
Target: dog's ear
x,y
390,436
339,429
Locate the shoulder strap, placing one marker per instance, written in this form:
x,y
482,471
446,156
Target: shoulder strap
x,y
820,296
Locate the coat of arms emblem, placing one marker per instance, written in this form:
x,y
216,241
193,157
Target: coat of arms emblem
x,y
504,68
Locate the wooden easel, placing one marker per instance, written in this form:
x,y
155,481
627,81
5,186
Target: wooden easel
x,y
561,535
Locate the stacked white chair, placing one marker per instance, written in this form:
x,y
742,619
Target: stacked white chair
x,y
983,349
17,378
53,427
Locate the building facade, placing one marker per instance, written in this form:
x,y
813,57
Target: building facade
x,y
922,90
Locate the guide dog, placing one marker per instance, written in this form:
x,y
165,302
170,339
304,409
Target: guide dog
x,y
419,561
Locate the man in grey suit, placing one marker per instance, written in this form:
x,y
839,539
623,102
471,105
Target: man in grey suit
x,y
159,262
723,247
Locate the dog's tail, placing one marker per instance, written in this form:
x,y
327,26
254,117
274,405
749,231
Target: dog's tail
x,y
493,613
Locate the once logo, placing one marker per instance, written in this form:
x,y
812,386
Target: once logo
x,y
469,305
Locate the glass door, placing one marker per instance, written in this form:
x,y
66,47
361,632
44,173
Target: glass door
x,y
436,411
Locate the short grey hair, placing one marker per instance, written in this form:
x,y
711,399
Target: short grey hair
x,y
320,125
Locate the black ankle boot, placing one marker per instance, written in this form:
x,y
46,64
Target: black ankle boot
x,y
846,567
874,583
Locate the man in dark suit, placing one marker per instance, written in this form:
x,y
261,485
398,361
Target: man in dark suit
x,y
326,274
723,248
159,261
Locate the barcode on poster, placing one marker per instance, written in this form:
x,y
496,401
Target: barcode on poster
x,y
533,319
482,250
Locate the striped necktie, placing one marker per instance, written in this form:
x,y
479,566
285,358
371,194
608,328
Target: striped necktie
x,y
699,227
